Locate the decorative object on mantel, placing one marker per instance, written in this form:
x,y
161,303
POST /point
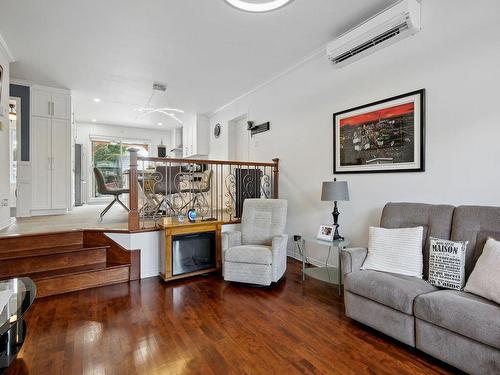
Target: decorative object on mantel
x,y
384,136
333,191
217,130
256,129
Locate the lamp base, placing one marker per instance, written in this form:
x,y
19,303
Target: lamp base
x,y
335,214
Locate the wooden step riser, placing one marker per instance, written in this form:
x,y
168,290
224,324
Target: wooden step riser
x,y
74,282
39,241
21,266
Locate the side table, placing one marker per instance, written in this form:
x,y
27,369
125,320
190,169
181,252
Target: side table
x,y
328,274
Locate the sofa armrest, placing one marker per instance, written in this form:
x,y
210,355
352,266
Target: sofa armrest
x,y
352,259
230,239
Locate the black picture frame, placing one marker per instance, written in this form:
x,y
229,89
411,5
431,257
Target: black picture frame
x,y
418,97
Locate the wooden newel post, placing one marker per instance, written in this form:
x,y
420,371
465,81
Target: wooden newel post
x,y
133,200
276,177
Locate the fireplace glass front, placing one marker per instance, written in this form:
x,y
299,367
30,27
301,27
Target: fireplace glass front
x,y
193,252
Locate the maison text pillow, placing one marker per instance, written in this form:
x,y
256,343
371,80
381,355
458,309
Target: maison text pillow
x,y
447,263
485,278
395,250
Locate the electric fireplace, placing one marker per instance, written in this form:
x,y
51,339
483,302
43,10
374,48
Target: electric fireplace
x,y
193,252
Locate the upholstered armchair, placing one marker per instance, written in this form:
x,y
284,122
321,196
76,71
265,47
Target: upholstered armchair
x,y
257,254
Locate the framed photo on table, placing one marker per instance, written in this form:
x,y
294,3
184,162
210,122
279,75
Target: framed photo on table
x,y
325,232
384,136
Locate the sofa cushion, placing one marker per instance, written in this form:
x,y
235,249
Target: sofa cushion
x,y
463,313
396,291
436,220
475,224
254,254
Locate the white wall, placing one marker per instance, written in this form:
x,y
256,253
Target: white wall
x,y
4,140
455,58
84,131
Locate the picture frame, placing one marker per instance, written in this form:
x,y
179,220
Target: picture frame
x,y
325,232
380,137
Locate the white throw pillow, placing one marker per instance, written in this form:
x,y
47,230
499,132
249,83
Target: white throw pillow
x,y
447,263
485,278
395,251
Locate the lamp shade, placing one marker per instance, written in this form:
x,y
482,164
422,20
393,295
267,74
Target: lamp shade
x,y
335,191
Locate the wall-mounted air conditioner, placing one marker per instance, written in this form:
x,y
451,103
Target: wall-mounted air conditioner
x,y
389,26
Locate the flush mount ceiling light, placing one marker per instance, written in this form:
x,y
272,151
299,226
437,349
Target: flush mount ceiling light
x,y
258,6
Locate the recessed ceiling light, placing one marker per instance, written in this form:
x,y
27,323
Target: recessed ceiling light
x,y
94,120
160,123
262,6
97,100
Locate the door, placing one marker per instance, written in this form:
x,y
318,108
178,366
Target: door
x,y
60,178
41,163
61,107
41,103
78,175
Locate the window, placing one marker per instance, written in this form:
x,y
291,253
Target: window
x,y
112,158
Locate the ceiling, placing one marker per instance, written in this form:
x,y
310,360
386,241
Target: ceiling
x,y
206,51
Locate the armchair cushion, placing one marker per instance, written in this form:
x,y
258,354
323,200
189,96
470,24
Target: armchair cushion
x,y
253,254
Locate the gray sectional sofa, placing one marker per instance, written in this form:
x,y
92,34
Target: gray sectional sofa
x,y
456,327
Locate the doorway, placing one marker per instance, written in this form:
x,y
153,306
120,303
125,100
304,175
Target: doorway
x,y
239,139
14,142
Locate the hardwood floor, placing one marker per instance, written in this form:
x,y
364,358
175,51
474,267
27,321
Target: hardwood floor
x,y
206,326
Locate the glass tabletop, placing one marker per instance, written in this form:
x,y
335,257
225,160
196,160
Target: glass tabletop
x,y
16,296
334,243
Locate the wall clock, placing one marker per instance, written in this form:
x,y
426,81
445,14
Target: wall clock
x,y
217,130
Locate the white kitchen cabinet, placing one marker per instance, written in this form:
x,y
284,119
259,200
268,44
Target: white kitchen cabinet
x,y
50,151
195,133
47,103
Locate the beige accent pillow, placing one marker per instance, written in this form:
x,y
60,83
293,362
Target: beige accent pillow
x,y
485,278
395,250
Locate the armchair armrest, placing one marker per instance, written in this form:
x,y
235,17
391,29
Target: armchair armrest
x,y
352,259
230,239
279,252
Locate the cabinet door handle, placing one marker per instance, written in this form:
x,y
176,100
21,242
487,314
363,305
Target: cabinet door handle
x,y
52,108
49,108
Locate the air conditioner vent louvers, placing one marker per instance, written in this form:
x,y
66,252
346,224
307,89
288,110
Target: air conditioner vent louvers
x,y
372,43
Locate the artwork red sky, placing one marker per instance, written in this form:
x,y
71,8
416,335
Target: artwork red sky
x,y
385,113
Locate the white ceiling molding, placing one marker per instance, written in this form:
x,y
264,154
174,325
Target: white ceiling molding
x,y
5,47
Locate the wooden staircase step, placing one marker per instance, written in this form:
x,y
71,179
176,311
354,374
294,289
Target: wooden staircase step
x,y
40,260
16,254
77,278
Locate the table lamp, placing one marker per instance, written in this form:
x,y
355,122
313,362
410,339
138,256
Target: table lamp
x,y
333,191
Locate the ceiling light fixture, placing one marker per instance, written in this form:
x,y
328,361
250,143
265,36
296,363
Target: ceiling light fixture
x,y
94,120
160,124
258,7
97,100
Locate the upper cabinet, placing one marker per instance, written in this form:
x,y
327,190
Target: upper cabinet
x,y
46,103
195,133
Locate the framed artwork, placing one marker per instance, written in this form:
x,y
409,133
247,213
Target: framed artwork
x,y
384,136
325,232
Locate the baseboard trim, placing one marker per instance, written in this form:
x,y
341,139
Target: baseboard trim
x,y
62,211
7,223
310,260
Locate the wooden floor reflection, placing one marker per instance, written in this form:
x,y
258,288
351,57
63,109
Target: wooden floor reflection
x,y
206,326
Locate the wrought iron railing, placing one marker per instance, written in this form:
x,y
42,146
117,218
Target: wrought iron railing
x,y
215,189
